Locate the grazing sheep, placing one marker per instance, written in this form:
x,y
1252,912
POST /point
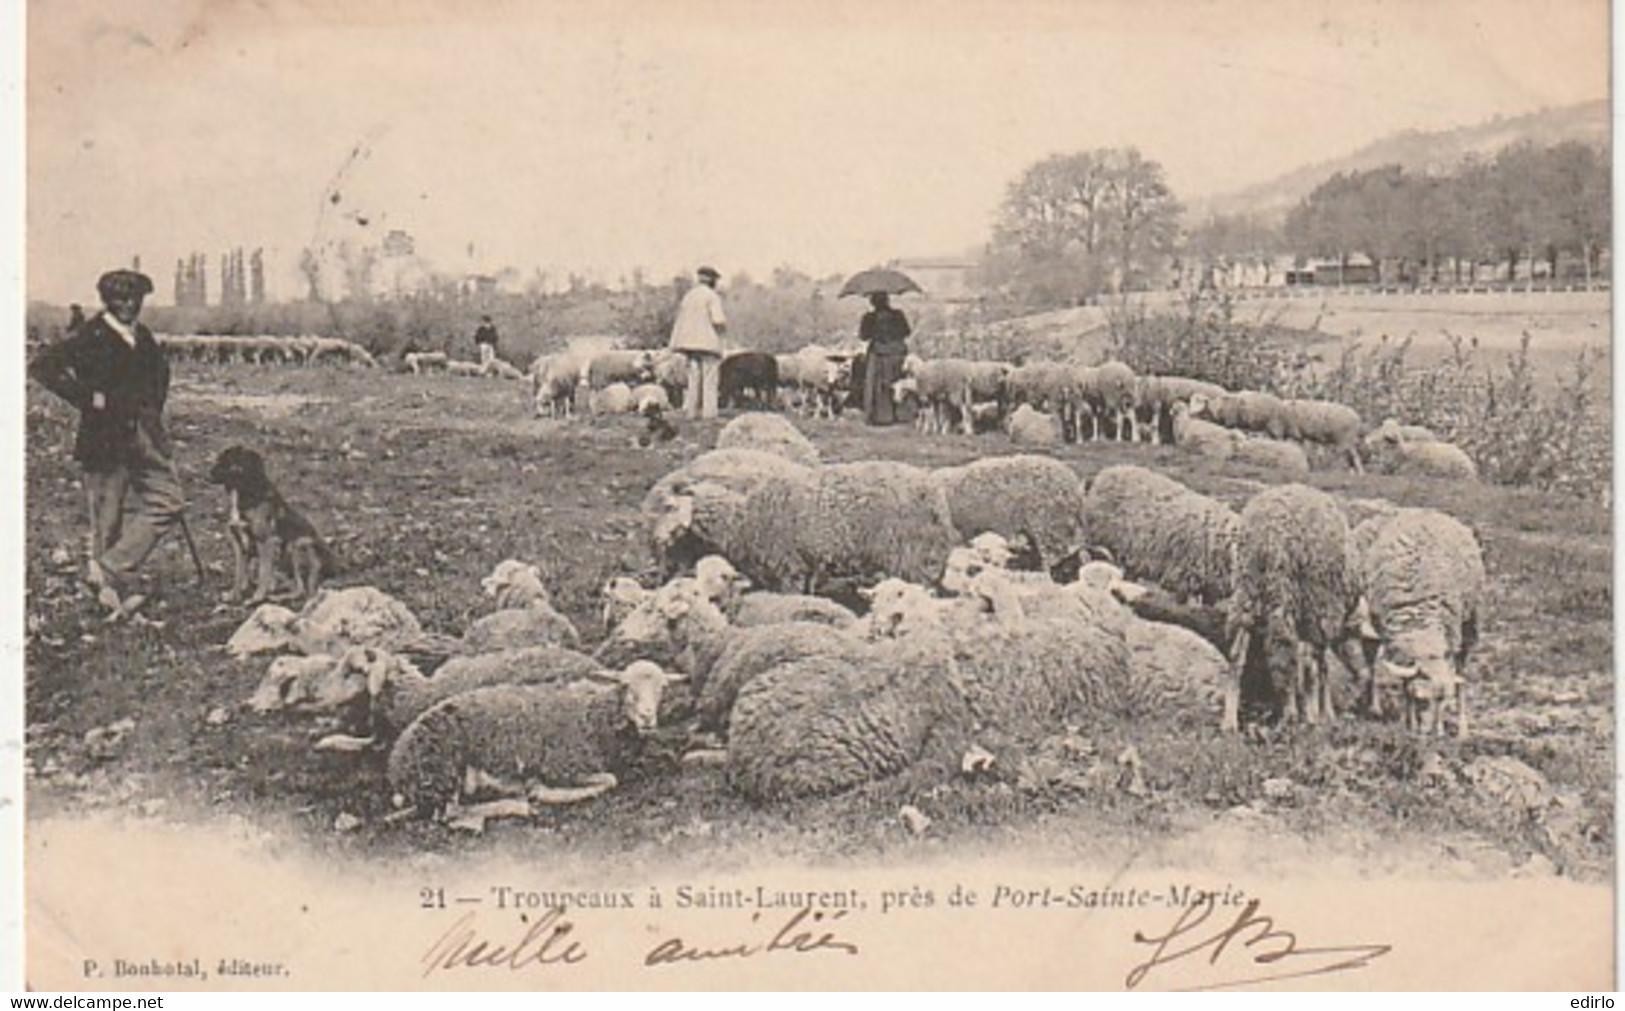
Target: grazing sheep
x,y
1159,530
769,433
1023,497
1424,580
562,742
695,509
1395,454
554,380
1273,454
1109,390
862,520
1246,411
1298,589
816,378
418,362
1324,423
748,377
1029,426
1156,396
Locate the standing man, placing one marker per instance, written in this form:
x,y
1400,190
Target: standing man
x,y
113,371
697,333
485,342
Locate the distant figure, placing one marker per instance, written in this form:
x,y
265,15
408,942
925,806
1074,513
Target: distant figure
x,y
76,318
697,333
485,341
113,371
885,330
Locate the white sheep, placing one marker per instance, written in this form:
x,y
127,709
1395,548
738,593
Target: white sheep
x,y
650,397
500,369
618,365
331,622
525,614
1155,397
1423,575
1202,437
698,507
1027,498
1395,454
769,433
424,361
1272,454
554,379
549,743
466,369
621,596
1160,531
1297,597
614,398
1322,422
1029,426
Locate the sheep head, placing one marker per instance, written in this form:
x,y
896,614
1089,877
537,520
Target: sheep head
x,y
268,629
718,580
307,684
897,607
515,584
642,685
622,595
1421,662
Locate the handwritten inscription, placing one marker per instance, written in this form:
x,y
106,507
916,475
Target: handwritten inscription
x,y
545,941
791,938
1259,944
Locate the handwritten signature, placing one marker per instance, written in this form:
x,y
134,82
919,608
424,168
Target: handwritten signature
x,y
789,939
546,941
1259,939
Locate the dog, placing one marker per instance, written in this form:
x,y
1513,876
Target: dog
x,y
266,532
658,428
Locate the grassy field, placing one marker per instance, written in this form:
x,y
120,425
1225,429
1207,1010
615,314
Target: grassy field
x,y
424,483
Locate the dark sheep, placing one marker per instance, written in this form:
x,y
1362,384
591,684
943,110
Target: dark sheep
x,y
748,377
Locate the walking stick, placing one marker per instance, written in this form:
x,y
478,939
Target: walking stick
x,y
186,528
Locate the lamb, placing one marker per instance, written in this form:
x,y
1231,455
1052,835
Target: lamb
x,y
614,398
1026,498
330,622
699,507
747,377
947,387
1424,579
1156,396
1160,531
525,615
860,520
769,433
1404,433
572,741
621,595
677,626
1298,591
1398,455
1029,426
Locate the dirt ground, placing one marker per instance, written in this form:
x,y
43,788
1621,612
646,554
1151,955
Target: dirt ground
x,y
423,483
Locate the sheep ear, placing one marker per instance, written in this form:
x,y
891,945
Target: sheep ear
x,y
867,593
676,679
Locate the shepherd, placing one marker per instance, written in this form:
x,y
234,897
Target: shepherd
x,y
885,330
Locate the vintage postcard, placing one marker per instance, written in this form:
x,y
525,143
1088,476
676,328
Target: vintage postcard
x,y
1110,496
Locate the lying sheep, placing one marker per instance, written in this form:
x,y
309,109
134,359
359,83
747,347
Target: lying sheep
x,y
307,684
699,507
502,370
621,596
1204,438
1029,426
650,397
1297,597
1272,454
1424,580
1394,454
466,369
525,615
1156,396
1160,531
769,433
1023,497
417,362
753,651
550,743
331,622
614,398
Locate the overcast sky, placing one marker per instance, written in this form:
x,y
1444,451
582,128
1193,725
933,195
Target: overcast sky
x,y
601,137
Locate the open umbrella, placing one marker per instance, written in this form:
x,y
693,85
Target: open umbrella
x,y
878,280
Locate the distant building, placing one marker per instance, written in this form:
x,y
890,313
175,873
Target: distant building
x,y
944,278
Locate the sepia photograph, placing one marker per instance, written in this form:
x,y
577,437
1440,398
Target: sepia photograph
x,y
1110,495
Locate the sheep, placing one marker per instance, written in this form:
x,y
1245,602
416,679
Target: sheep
x,y
466,369
747,376
1404,433
725,587
1322,422
503,370
816,377
823,724
1109,390
318,683
1423,575
947,387
330,622
1398,455
525,615
1161,531
573,741
1024,497
1272,454
1201,437
617,365
554,380
698,507
650,397
1247,410
621,596
769,433
418,362
751,652
614,398
1297,588
1156,396
863,520
677,626
1029,426
670,370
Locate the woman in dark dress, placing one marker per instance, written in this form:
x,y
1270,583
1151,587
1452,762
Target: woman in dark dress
x,y
885,330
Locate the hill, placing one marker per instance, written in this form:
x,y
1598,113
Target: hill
x,y
1416,151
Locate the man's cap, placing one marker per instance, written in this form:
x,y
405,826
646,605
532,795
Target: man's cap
x,y
123,284
710,272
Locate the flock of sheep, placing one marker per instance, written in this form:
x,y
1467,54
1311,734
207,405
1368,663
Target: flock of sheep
x,y
1039,403
823,626
264,350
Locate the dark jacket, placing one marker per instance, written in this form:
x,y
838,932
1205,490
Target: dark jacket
x,y
486,334
886,331
134,382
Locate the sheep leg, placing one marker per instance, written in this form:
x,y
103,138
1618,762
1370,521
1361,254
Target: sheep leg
x,y
1301,709
1461,710
1323,681
1354,459
1230,720
592,786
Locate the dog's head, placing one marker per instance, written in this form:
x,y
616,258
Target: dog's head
x,y
238,468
